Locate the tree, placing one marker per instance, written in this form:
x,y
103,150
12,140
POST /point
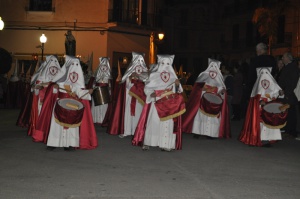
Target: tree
x,y
266,20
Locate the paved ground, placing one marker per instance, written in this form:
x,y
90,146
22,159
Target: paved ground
x,y
204,169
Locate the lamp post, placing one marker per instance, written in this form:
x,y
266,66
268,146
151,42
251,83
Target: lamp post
x,y
1,24
43,40
153,46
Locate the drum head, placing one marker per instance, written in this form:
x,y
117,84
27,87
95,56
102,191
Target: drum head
x,y
272,107
213,98
63,103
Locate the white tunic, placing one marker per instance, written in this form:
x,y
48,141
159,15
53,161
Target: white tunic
x,y
158,133
58,135
130,122
99,112
205,125
267,134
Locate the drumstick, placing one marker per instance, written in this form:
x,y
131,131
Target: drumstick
x,y
84,94
171,83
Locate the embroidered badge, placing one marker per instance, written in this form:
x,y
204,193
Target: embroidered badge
x,y
165,76
138,69
103,68
53,70
73,77
213,74
265,83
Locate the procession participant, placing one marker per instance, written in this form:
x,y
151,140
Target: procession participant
x,y
39,82
288,80
70,126
160,121
263,59
207,109
13,89
256,130
25,112
102,78
130,99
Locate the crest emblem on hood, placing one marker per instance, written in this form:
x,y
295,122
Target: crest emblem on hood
x,y
265,83
138,69
165,76
103,68
213,74
53,70
73,77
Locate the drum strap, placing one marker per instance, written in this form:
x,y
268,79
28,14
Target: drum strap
x,y
101,84
62,95
210,89
132,106
137,91
68,89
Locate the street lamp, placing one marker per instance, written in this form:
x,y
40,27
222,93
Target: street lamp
x,y
43,40
153,46
1,24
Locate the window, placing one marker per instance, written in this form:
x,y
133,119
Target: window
x,y
126,11
40,5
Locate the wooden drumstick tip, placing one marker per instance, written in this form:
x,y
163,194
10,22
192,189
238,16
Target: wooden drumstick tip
x,y
70,105
284,107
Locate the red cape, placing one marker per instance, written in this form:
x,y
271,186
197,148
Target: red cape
x,y
139,134
250,133
117,111
192,108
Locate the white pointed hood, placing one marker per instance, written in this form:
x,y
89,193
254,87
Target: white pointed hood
x,y
163,76
265,84
212,75
15,76
103,72
72,73
137,65
47,71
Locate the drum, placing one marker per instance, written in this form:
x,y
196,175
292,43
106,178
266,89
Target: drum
x,y
101,95
68,112
211,104
170,106
273,116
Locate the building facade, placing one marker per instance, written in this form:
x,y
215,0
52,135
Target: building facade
x,y
104,28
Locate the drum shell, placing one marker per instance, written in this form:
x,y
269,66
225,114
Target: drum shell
x,y
67,117
170,106
101,95
209,107
275,120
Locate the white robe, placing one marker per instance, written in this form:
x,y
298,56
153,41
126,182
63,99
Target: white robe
x,y
58,135
158,133
205,125
267,134
130,122
99,112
